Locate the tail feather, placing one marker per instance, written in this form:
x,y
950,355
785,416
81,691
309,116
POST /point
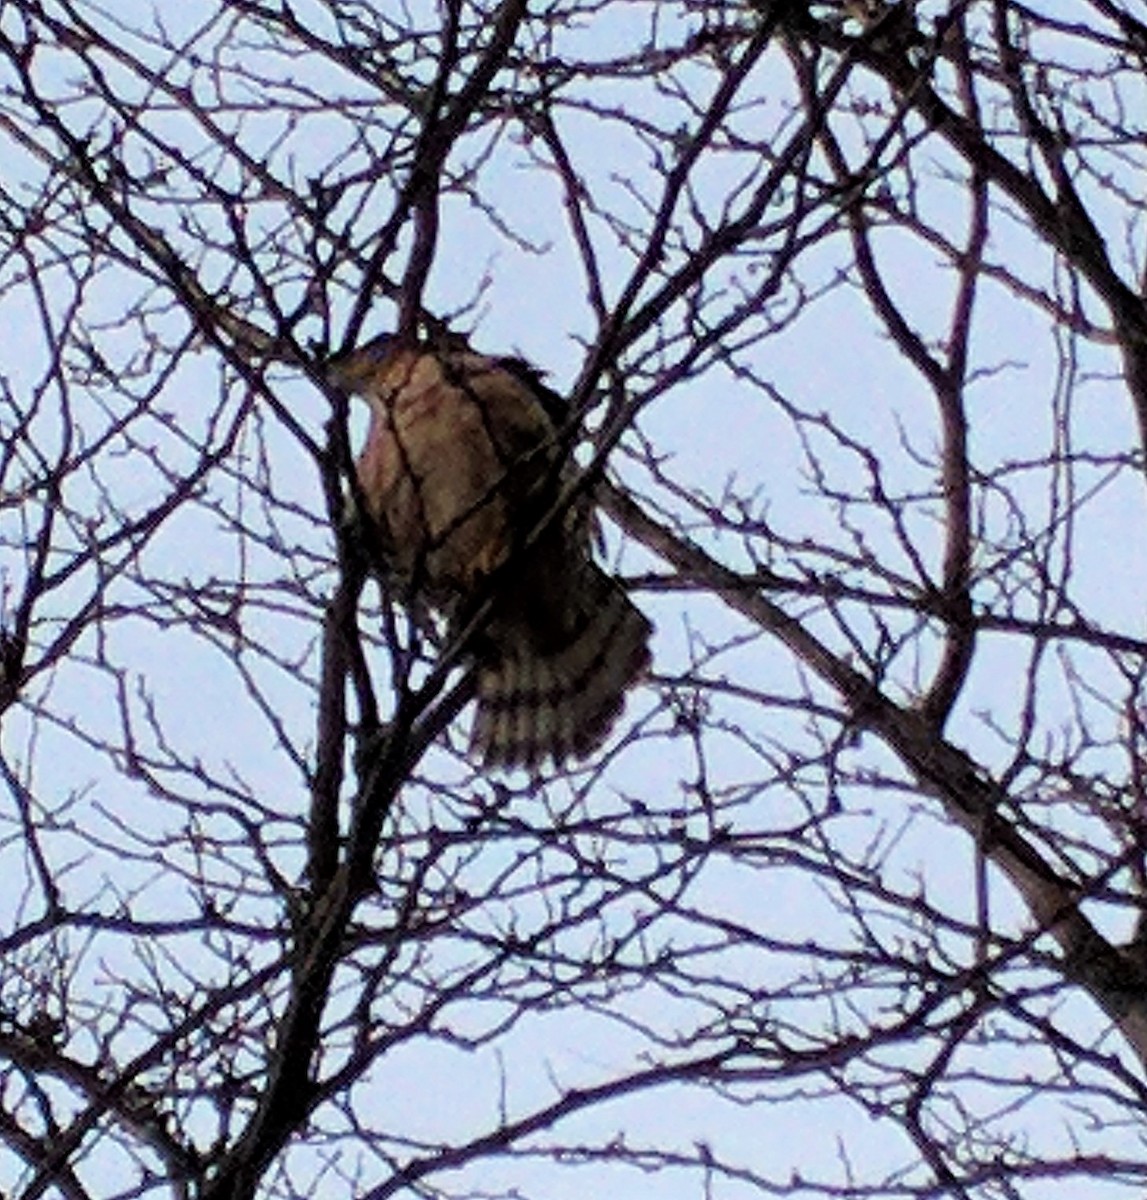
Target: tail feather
x,y
556,702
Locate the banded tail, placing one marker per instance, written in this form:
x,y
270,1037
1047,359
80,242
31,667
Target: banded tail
x,y
541,699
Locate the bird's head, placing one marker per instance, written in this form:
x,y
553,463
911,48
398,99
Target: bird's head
x,y
353,371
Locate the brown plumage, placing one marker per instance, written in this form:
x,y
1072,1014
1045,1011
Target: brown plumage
x,y
460,462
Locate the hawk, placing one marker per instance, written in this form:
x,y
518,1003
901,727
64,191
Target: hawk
x,y
461,460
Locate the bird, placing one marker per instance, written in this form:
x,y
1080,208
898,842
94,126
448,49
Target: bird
x,y
461,461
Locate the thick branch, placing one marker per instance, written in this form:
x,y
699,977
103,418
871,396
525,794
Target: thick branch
x,y
968,795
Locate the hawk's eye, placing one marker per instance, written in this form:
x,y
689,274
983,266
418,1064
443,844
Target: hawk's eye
x,y
378,347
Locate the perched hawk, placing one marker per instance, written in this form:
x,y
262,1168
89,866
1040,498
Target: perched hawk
x,y
460,462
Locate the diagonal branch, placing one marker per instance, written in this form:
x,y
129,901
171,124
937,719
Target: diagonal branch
x,y
969,796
